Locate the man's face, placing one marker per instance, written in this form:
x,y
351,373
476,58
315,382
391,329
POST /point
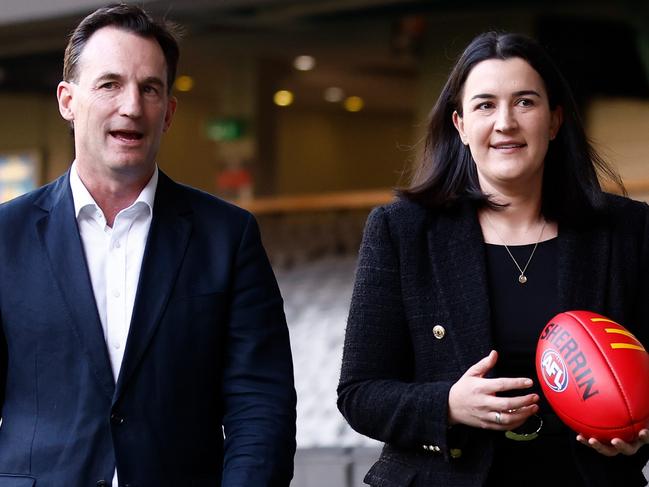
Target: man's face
x,y
118,104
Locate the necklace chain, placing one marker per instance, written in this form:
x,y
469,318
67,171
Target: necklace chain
x,y
522,278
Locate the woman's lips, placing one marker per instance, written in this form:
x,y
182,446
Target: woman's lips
x,y
508,147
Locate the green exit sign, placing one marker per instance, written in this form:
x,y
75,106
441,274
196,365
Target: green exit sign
x,y
223,129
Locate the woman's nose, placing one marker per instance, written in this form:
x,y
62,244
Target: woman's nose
x,y
505,120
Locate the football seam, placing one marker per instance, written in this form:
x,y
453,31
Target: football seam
x,y
610,367
602,428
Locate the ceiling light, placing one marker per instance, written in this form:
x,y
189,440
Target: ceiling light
x,y
304,63
354,104
283,98
333,94
184,83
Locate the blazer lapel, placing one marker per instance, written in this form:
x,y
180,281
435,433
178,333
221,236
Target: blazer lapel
x,y
165,250
59,236
459,268
583,267
460,272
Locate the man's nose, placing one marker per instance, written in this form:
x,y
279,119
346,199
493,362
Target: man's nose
x,y
131,102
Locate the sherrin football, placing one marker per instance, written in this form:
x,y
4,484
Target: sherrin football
x,y
595,375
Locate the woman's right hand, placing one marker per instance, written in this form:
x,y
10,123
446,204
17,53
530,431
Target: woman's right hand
x,y
473,400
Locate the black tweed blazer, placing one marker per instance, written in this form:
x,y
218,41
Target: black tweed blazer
x,y
421,268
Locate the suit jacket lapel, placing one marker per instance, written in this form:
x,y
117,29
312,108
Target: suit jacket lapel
x,y
459,268
59,236
165,250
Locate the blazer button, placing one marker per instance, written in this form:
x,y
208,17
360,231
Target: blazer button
x,y
456,453
433,448
102,483
439,332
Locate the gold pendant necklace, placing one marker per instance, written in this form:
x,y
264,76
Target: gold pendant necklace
x,y
522,278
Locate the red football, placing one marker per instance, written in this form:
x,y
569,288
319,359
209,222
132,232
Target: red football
x,y
595,375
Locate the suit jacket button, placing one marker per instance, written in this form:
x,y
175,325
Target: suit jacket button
x,y
102,483
456,453
116,419
439,331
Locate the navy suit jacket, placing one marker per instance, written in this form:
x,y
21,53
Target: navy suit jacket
x,y
205,395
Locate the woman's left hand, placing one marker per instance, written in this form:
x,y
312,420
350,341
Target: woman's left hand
x,y
617,445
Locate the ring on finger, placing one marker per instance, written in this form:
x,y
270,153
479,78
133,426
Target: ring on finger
x,y
498,418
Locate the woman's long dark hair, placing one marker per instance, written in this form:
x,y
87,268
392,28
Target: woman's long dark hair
x,y
447,173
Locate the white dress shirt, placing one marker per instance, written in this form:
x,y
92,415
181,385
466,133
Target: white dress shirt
x,y
114,258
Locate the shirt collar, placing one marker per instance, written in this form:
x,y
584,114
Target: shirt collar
x,y
83,199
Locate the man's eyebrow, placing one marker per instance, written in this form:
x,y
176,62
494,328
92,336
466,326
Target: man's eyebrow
x,y
108,75
149,80
489,96
153,80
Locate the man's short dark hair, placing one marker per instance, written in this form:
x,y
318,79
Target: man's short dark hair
x,y
129,18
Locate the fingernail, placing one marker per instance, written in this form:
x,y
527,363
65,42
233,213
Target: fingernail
x,y
528,382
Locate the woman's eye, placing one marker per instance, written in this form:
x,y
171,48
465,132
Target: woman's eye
x,y
525,102
485,105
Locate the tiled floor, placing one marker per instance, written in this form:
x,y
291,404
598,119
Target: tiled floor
x,y
317,296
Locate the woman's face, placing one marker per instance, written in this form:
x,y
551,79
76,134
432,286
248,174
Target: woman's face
x,y
507,123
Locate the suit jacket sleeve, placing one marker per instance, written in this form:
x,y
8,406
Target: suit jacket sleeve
x,y
377,393
258,391
3,364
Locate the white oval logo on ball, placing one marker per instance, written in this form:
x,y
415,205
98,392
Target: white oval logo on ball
x,y
555,372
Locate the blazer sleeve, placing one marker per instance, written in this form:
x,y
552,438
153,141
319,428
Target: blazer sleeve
x,y
641,311
258,389
640,321
376,393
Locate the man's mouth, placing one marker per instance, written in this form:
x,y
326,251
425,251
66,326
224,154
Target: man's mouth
x,y
126,135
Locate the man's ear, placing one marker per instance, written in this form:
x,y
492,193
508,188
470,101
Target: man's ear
x,y
64,95
169,115
458,121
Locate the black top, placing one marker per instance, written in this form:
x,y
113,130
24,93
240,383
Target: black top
x,y
519,313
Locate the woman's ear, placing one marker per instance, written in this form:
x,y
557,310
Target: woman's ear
x,y
556,119
458,121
